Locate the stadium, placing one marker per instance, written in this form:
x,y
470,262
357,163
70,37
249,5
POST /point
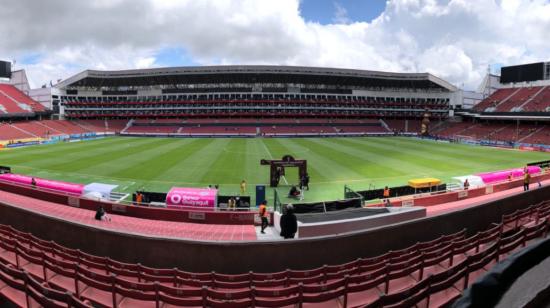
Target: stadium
x,y
274,186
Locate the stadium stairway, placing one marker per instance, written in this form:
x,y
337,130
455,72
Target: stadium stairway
x,y
9,132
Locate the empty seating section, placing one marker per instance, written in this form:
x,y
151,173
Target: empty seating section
x,y
481,131
540,136
8,132
523,133
233,130
8,105
407,126
280,129
36,129
494,99
253,127
14,101
540,102
41,129
65,127
360,129
92,125
195,107
116,125
433,273
524,99
153,129
518,99
453,129
512,132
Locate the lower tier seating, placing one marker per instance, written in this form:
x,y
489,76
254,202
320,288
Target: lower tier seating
x,y
432,274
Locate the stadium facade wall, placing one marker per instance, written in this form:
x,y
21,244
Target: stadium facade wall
x,y
262,256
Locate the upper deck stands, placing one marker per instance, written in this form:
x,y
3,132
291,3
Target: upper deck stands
x,y
13,101
517,99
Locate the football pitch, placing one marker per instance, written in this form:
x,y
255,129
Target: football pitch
x,y
157,164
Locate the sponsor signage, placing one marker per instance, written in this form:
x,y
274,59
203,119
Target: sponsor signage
x,y
179,197
22,144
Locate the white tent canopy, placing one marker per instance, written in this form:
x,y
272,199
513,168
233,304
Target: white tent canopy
x,y
474,180
99,190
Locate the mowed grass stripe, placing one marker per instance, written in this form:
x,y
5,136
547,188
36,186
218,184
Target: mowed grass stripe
x,y
119,167
486,155
59,161
390,157
460,153
190,166
167,166
54,152
60,147
372,165
326,161
431,164
352,161
74,162
431,151
228,164
252,169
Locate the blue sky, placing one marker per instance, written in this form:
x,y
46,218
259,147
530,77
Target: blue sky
x,y
174,56
324,11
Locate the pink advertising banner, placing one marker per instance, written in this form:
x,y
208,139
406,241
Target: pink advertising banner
x,y
502,175
71,188
191,197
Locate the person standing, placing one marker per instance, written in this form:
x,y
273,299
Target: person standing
x,y
231,203
526,180
386,192
466,184
263,215
33,182
139,198
243,187
306,181
289,223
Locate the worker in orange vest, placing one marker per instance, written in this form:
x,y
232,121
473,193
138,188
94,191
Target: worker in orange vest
x,y
139,198
263,215
386,192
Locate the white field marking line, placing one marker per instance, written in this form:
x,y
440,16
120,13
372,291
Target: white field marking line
x,y
128,185
271,157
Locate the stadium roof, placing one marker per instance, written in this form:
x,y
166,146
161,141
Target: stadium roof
x,y
253,74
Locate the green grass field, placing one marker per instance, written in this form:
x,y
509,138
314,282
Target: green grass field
x,y
157,164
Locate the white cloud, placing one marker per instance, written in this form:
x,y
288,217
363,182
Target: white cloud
x,y
454,39
340,14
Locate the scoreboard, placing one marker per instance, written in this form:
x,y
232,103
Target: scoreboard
x,y
5,69
521,73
